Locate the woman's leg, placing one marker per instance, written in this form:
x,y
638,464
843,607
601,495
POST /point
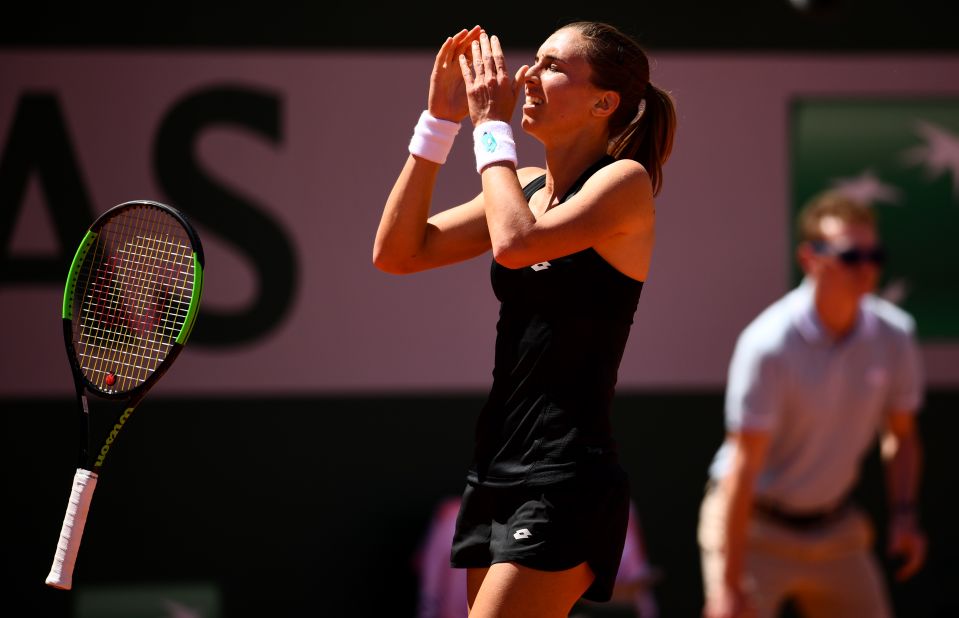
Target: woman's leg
x,y
474,579
507,589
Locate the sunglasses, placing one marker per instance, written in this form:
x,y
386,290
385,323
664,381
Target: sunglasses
x,y
853,256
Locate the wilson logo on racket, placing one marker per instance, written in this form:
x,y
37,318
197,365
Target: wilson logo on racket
x,y
112,437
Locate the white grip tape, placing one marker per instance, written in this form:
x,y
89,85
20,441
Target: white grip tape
x,y
492,143
61,574
433,138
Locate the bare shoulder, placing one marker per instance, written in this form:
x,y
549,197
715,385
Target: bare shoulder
x,y
622,175
621,196
623,187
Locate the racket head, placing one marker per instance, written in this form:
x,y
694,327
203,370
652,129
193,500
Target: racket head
x,y
131,297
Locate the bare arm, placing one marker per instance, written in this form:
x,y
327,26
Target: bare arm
x,y
408,239
902,458
616,202
738,487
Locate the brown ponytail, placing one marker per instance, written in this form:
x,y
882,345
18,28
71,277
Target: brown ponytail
x,y
618,63
649,138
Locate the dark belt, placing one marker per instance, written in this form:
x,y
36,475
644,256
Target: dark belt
x,y
804,520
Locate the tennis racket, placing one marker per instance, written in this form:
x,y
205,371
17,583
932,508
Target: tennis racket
x,y
129,304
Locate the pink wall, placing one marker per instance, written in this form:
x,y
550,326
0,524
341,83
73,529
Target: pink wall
x,y
346,118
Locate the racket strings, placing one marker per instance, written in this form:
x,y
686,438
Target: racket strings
x,y
107,359
138,257
134,259
137,290
152,295
138,320
142,279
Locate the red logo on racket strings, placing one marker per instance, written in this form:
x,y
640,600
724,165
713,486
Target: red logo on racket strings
x,y
110,379
124,295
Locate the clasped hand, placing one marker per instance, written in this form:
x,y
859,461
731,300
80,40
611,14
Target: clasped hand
x,y
480,86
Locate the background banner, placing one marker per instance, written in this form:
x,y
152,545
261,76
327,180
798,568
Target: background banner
x,y
283,161
902,155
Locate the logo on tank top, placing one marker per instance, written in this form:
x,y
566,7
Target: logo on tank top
x,y
522,533
540,266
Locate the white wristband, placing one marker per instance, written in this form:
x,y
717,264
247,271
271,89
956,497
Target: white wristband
x,y
433,137
493,142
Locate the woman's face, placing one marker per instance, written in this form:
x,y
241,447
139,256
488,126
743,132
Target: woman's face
x,y
559,93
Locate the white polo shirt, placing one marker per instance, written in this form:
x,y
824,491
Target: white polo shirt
x,y
823,402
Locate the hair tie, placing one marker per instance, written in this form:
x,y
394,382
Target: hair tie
x,y
639,112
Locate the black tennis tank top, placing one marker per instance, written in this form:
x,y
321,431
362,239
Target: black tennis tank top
x,y
560,337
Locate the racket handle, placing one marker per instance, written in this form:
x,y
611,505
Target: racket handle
x,y
61,573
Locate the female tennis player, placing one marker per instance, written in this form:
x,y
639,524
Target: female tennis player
x,y
544,512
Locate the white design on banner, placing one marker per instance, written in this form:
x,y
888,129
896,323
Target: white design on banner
x,y
177,610
867,188
939,155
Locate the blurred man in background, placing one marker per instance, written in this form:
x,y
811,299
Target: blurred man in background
x,y
813,380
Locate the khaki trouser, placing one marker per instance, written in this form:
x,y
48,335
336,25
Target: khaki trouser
x,y
829,571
